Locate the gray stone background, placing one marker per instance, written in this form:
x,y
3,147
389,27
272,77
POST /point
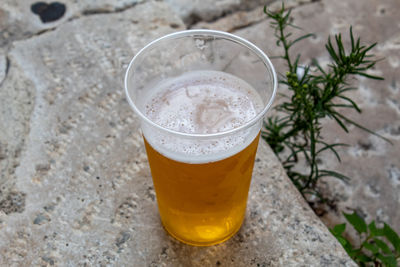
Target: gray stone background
x,y
75,188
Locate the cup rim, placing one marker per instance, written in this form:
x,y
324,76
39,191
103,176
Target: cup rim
x,y
212,33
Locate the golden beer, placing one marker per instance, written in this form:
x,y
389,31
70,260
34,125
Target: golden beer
x,y
202,204
203,201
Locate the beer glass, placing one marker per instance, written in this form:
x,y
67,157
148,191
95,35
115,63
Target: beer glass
x,y
201,175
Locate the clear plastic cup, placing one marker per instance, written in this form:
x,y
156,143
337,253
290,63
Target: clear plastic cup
x,y
201,179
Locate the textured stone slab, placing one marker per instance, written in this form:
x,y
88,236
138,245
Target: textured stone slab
x,y
237,20
81,174
373,164
17,21
17,98
207,10
242,19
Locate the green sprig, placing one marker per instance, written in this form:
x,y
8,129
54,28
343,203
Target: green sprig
x,y
317,94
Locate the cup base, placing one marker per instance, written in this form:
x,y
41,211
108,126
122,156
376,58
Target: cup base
x,y
206,243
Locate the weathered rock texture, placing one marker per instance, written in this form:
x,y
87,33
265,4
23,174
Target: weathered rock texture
x,y
17,21
76,188
208,10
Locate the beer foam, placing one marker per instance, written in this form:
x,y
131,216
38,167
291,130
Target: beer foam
x,y
202,102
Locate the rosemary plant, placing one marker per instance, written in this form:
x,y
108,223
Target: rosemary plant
x,y
315,94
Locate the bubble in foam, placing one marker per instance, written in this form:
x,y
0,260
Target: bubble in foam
x,y
202,102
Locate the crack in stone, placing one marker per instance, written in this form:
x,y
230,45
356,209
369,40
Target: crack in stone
x,y
7,69
194,18
239,27
42,32
197,19
95,11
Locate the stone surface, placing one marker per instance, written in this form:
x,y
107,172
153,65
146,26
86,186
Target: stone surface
x,y
372,163
207,10
79,191
233,22
17,21
242,19
17,97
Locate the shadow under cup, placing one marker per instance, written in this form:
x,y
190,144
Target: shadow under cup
x,y
201,193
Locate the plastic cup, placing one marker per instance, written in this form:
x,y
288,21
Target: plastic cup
x,y
201,179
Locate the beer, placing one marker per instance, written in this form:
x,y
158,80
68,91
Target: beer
x,y
202,184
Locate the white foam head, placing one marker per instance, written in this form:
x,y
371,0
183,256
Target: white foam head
x,y
201,102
